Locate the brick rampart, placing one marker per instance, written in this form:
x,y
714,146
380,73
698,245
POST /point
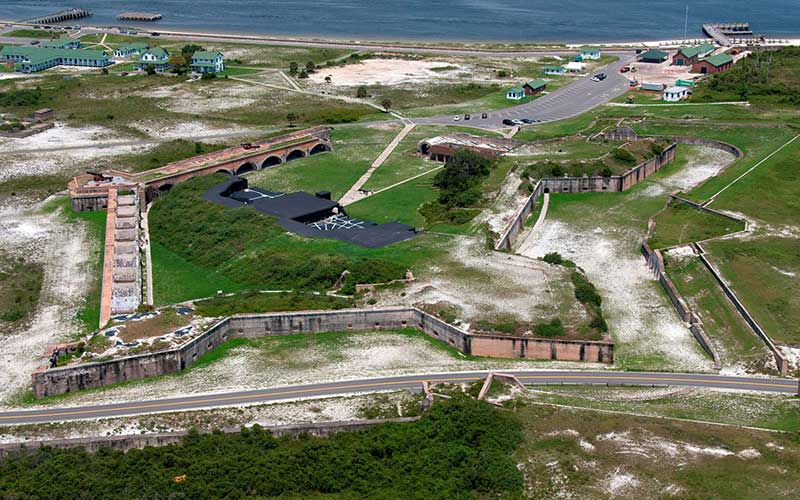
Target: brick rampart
x,y
84,376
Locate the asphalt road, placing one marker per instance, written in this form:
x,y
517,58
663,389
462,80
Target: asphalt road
x,y
414,382
565,102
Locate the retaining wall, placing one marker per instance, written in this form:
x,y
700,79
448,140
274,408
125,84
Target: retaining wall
x,y
613,184
137,441
781,361
88,375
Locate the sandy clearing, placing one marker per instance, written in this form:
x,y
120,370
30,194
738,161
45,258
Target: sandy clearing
x,y
486,284
64,250
387,72
189,130
505,206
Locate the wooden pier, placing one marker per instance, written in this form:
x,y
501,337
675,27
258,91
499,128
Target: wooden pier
x,y
721,32
139,16
64,15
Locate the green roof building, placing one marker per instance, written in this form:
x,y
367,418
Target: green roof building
x,y
204,61
515,93
62,43
687,56
127,49
554,70
33,59
590,53
653,56
154,57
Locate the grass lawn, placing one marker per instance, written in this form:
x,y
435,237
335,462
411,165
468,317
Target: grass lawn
x,y
237,71
771,192
400,203
34,33
756,142
20,285
739,345
763,273
681,223
354,150
176,280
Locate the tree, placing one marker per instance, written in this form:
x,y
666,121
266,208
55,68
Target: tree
x,y
188,51
150,69
310,66
361,92
303,74
293,68
328,79
291,118
178,63
458,180
386,104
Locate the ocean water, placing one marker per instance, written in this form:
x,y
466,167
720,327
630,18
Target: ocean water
x,y
467,20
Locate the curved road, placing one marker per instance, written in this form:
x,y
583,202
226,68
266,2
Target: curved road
x,y
528,377
565,102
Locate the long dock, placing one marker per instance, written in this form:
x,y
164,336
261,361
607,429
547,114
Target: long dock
x,y
63,15
721,32
139,16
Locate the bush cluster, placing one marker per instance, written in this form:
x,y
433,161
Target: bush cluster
x,y
21,97
586,294
623,155
549,330
460,449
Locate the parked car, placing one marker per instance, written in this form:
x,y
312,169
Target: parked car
x,y
35,42
155,33
456,118
508,122
527,120
484,116
517,122
124,73
624,69
599,77
467,117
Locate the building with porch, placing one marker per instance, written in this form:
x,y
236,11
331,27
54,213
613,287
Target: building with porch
x,y
554,70
155,57
590,53
128,49
653,56
62,43
204,61
34,59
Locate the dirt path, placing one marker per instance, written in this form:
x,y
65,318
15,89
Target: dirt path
x,y
353,195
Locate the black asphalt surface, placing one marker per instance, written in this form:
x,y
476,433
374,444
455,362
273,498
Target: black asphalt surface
x,y
565,102
413,382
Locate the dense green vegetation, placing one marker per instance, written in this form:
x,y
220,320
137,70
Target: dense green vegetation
x,y
20,285
251,249
460,449
21,97
34,33
256,302
770,76
459,184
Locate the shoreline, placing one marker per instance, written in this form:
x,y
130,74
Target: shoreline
x,y
466,47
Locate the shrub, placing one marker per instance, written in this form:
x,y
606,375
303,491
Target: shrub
x,y
458,181
553,258
585,291
549,330
361,92
556,170
606,172
21,97
623,155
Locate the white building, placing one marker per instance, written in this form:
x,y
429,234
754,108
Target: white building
x,y
675,94
575,67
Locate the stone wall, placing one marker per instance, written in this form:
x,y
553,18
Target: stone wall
x,y
138,441
781,362
613,184
88,375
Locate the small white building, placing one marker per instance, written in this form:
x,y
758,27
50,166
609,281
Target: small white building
x,y
515,93
590,53
575,67
675,94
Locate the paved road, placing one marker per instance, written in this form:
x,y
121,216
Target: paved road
x,y
784,386
565,102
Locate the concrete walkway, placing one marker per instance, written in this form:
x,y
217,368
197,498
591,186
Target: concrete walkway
x,y
530,238
289,80
353,195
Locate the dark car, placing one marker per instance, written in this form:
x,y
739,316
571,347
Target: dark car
x,y
155,33
467,117
599,77
508,122
484,116
528,120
